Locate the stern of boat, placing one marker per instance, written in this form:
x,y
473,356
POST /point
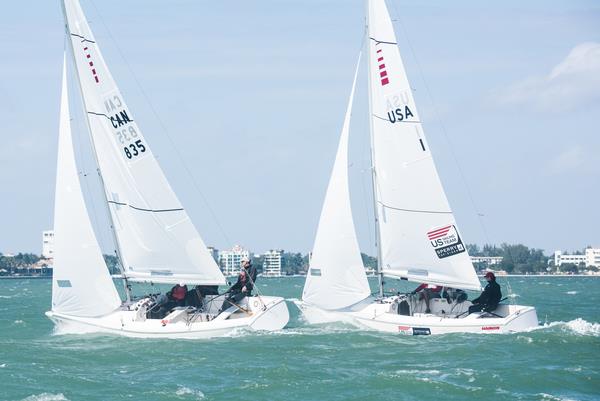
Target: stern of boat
x,y
521,318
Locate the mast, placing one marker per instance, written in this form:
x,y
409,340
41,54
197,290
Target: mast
x,y
112,224
373,172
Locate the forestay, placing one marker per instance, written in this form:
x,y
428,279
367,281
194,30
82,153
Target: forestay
x,y
336,276
81,284
419,238
156,239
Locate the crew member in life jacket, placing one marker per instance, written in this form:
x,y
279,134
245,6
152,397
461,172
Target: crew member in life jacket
x,y
244,285
426,292
177,294
166,302
490,297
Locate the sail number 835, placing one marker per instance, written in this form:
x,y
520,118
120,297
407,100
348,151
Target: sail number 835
x,y
134,149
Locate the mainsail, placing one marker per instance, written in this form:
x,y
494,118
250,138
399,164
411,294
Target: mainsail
x,y
156,239
336,277
418,235
81,284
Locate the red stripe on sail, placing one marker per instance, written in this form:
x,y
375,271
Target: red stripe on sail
x,y
381,66
383,74
439,229
380,59
432,237
385,81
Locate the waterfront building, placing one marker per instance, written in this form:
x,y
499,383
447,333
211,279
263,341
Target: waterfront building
x,y
48,244
230,260
488,260
272,263
591,257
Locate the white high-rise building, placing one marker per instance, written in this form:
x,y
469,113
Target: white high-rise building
x,y
230,261
272,263
48,244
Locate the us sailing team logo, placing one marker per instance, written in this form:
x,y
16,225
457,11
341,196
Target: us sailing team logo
x,y
446,241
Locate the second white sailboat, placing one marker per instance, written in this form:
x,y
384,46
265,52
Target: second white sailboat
x,y
417,236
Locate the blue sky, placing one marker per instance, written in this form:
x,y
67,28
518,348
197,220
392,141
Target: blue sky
x,y
252,96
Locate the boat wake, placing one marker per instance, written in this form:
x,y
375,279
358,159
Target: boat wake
x,y
46,397
65,328
577,326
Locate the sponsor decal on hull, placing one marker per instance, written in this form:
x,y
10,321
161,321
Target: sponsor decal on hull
x,y
421,331
446,241
490,328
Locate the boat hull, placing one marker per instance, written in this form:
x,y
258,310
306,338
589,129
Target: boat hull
x,y
128,323
376,315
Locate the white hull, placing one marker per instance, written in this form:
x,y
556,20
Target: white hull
x,y
130,323
381,316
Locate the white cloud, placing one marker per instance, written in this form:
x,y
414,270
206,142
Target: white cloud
x,y
575,159
573,82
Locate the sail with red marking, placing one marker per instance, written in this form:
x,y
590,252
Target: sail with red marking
x,y
419,238
155,236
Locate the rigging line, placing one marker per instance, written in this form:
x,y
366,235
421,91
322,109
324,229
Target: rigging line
x,y
437,116
164,128
412,210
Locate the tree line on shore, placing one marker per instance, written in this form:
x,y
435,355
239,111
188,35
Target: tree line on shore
x,y
516,259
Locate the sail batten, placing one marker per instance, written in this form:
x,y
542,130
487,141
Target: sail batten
x,y
152,229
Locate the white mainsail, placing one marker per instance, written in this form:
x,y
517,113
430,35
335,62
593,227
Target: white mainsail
x,y
156,238
336,277
81,284
418,235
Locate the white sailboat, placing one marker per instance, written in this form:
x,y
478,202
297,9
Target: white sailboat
x,y
155,239
417,237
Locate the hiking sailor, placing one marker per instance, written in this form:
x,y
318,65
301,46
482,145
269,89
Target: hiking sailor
x,y
490,297
244,285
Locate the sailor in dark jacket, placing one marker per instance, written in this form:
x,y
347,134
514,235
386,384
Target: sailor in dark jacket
x,y
490,297
243,286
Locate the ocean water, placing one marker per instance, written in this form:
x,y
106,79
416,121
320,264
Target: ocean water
x,y
558,361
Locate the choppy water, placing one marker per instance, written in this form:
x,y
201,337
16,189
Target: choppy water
x,y
559,361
